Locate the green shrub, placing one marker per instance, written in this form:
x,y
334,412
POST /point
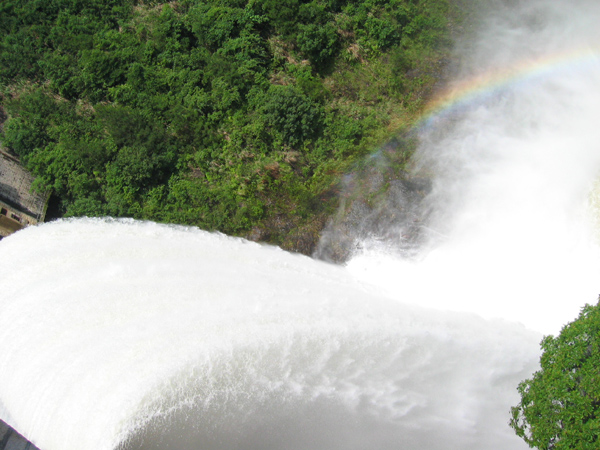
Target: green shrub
x,y
292,114
560,404
319,43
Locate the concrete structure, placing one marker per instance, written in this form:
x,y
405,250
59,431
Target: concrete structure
x,y
19,205
11,440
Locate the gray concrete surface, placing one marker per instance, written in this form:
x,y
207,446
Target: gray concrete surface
x,y
15,188
11,440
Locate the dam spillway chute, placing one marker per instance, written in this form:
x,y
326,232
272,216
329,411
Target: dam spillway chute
x,y
166,337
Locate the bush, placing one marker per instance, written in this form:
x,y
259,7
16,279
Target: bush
x,y
319,43
560,404
294,115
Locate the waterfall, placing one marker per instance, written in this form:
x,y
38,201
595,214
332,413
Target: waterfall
x,y
121,334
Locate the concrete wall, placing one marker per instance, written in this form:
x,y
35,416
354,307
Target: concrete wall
x,y
15,188
19,204
11,440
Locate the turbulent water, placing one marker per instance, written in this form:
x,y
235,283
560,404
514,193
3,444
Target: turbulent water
x,y
193,340
133,335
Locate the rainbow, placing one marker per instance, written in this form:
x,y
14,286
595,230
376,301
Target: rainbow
x,y
482,86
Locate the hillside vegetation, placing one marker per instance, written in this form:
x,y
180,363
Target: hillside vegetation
x,y
231,115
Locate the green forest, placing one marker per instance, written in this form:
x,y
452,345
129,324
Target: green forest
x,y
234,115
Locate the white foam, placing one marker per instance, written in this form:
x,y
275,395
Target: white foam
x,y
178,338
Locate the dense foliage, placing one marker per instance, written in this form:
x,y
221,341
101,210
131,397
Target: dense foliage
x,y
560,404
236,115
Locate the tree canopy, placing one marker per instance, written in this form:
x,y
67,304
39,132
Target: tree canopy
x,y
560,404
235,115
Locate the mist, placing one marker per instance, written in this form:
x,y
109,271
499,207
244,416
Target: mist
x,y
510,150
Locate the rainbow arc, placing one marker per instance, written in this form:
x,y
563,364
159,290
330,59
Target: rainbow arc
x,y
465,93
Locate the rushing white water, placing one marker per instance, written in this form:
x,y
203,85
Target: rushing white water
x,y
178,338
144,336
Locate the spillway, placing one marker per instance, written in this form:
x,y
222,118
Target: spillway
x,y
124,334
